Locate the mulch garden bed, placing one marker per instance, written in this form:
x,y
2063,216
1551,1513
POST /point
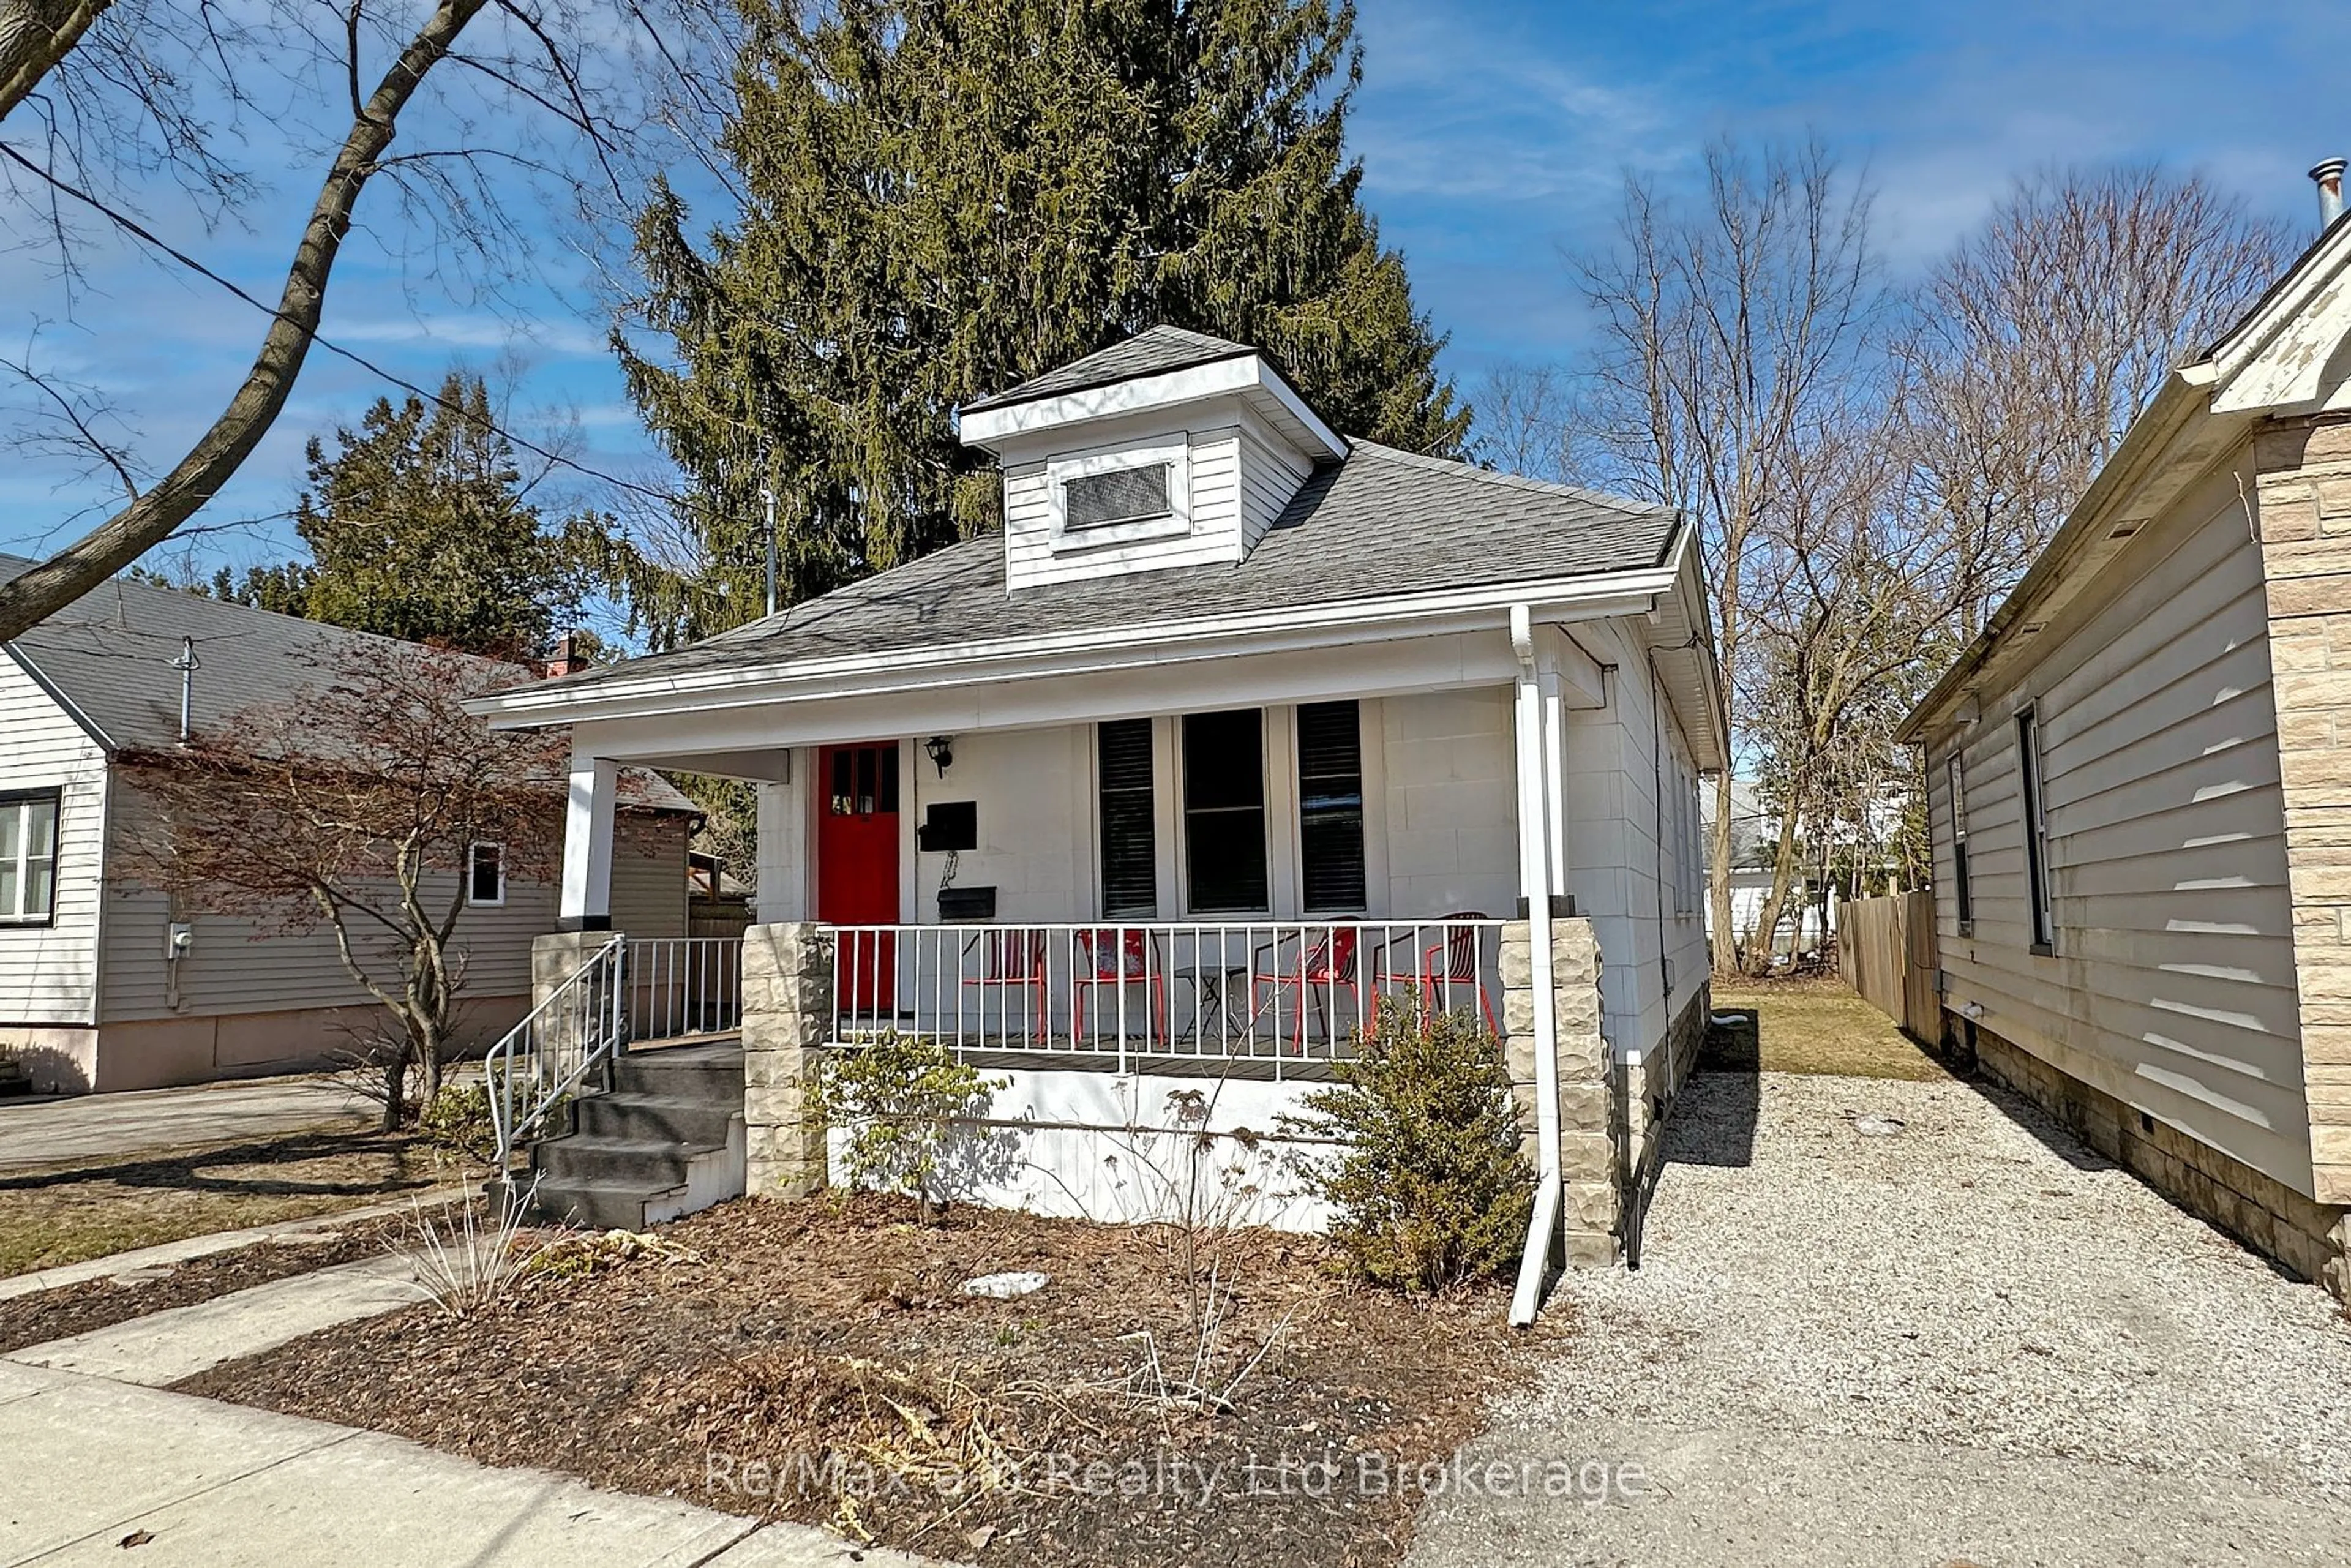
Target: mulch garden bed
x,y
822,1363
67,1309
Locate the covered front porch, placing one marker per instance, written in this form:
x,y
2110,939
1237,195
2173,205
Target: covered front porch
x,y
1231,859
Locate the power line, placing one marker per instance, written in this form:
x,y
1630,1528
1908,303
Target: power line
x,y
148,237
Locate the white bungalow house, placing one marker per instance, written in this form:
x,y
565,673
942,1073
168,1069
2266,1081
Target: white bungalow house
x,y
1237,725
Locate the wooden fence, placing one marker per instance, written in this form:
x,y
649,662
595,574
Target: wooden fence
x,y
1885,950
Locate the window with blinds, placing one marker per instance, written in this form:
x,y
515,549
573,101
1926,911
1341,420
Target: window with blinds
x,y
1130,850
1224,813
1120,496
1331,807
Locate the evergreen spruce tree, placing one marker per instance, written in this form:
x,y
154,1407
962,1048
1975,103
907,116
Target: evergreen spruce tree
x,y
420,526
941,198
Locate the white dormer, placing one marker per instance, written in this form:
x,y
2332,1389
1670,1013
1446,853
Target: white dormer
x,y
1172,448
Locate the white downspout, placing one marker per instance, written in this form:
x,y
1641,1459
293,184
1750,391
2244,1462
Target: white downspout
x,y
1535,852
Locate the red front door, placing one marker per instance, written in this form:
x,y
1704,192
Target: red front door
x,y
857,867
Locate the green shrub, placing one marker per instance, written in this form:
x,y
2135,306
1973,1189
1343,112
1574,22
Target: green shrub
x,y
458,1122
1430,1191
898,1095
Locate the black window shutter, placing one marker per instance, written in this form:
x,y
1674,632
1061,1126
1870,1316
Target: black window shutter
x,y
1331,807
1129,838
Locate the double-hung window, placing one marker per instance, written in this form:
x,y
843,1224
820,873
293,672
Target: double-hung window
x,y
2036,832
28,857
1962,885
1331,808
486,875
1224,813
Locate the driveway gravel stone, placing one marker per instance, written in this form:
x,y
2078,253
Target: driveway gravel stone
x,y
1966,1339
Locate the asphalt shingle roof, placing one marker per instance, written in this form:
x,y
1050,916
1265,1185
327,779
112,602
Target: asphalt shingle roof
x,y
1147,353
109,654
1379,524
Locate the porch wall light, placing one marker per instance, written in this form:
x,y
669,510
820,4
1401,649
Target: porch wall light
x,y
941,750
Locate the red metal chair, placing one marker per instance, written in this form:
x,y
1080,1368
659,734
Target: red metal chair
x,y
1453,962
1322,969
1013,959
1116,955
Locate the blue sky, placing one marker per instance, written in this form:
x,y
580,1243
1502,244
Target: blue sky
x,y
1494,134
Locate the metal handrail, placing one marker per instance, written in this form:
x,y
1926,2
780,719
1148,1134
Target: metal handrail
x,y
579,1027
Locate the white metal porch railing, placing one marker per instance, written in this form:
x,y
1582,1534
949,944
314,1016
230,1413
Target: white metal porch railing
x,y
581,1025
1277,992
684,986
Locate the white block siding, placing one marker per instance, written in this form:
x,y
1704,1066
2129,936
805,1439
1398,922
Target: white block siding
x,y
1617,820
48,974
2172,987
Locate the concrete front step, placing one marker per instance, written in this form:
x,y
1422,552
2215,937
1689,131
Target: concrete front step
x,y
669,1119
666,1140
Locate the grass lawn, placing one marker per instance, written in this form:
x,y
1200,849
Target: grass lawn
x,y
58,1215
1818,1024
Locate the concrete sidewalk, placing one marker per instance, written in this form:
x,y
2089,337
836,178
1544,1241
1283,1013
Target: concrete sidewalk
x,y
112,1128
94,1466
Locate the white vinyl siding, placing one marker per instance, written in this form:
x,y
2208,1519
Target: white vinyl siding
x,y
49,972
2172,983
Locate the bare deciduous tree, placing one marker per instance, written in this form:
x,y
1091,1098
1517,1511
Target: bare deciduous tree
x,y
1731,338
110,95
353,809
2034,344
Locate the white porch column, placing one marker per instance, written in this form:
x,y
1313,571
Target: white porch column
x,y
587,897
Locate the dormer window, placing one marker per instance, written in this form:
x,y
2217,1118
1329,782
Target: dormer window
x,y
1118,495
1121,496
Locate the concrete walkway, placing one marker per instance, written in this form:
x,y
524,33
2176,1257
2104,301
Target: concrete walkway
x,y
94,1466
111,1128
165,1347
1962,1339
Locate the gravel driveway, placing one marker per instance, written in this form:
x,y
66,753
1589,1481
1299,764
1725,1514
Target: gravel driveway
x,y
1971,1341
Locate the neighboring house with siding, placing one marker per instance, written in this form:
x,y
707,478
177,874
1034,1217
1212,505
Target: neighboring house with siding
x,y
1236,722
94,993
2140,792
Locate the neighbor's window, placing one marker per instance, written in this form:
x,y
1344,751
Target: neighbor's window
x,y
1962,886
486,875
1120,496
1224,811
2036,832
1130,849
28,857
1331,807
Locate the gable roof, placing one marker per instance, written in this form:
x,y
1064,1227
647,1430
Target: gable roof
x,y
1381,524
106,658
1148,353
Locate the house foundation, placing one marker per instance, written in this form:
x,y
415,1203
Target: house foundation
x,y
2310,1240
1590,1115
